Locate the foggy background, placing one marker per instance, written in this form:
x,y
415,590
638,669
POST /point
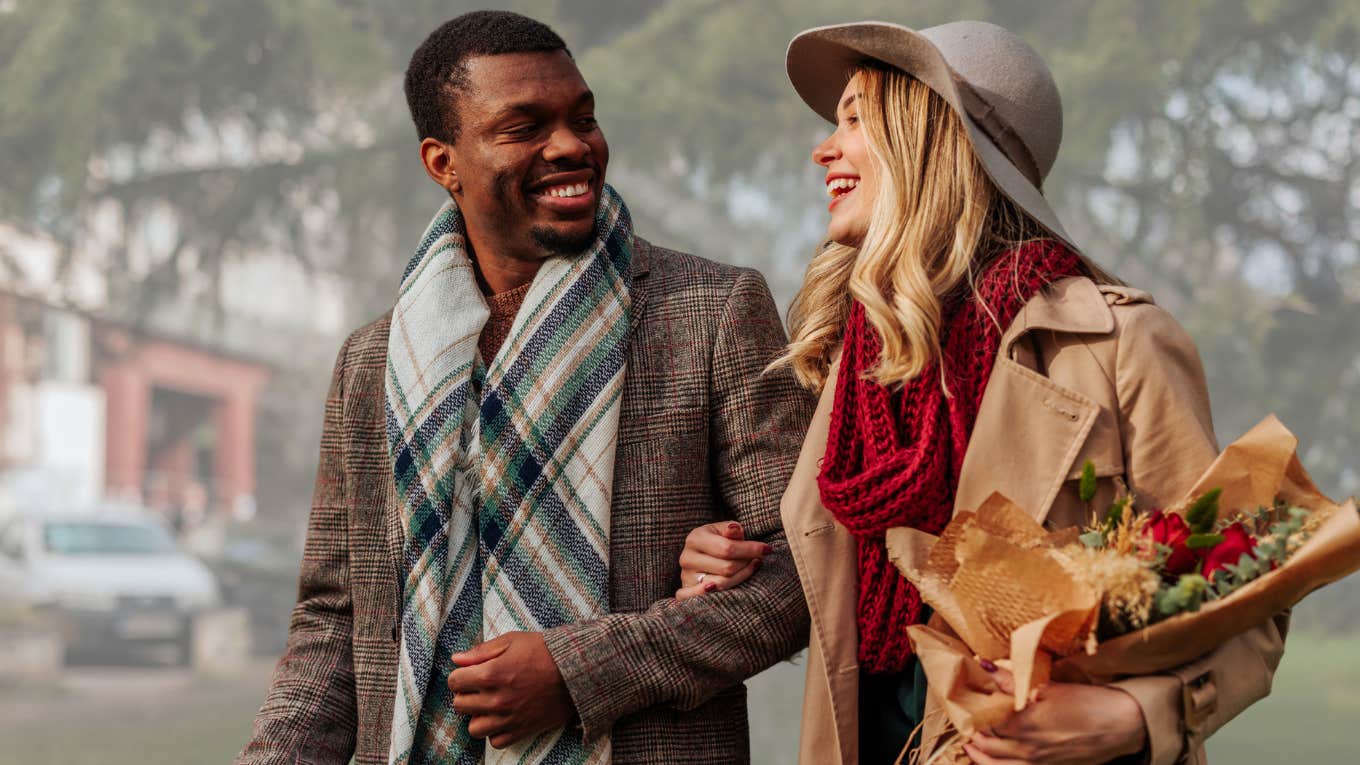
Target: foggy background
x,y
198,200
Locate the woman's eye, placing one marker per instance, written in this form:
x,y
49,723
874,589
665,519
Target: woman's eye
x,y
852,119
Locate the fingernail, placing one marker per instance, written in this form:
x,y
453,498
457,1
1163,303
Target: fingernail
x,y
732,528
987,665
766,550
710,587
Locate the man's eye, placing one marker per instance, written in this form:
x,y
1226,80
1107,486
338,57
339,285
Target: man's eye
x,y
587,123
522,129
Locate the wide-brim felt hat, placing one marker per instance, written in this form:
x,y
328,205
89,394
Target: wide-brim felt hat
x,y
999,86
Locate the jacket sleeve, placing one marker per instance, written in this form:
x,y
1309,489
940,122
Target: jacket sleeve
x,y
681,653
309,713
1169,442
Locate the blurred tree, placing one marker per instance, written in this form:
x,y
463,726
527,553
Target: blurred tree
x,y
1211,152
229,128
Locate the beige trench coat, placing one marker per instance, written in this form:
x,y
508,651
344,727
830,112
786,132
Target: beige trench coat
x,y
1086,372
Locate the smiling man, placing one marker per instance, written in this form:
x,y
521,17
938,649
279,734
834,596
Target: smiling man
x,y
512,458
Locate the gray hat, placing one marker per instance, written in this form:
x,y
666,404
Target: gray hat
x,y
1001,89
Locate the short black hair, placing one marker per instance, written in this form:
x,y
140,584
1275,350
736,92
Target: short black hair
x,y
438,68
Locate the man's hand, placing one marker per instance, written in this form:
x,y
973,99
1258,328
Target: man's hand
x,y
511,689
1068,724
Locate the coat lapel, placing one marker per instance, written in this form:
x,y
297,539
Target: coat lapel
x,y
1023,450
824,552
642,257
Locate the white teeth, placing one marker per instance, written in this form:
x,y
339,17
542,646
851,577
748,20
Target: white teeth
x,y
840,185
575,190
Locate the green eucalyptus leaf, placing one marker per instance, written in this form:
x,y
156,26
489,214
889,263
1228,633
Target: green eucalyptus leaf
x,y
1203,541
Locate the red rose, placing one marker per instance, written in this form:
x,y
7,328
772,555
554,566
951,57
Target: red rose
x,y
1170,529
1236,541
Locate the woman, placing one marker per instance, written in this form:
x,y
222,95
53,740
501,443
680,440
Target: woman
x,y
963,345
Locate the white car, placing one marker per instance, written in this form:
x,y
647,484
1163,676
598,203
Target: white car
x,y
111,578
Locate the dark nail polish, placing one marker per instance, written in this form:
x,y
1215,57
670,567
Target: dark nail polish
x,y
710,587
987,665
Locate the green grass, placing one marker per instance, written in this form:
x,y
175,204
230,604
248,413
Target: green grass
x,y
206,722
200,738
1307,719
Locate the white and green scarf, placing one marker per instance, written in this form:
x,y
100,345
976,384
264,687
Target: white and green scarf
x,y
504,469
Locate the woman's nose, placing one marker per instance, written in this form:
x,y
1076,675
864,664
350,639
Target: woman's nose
x,y
826,152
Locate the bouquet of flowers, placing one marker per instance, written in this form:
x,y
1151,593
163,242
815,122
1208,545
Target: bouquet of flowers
x,y
1136,593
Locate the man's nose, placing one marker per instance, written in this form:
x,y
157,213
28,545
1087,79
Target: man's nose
x,y
565,145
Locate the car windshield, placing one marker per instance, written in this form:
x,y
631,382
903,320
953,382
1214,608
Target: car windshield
x,y
105,538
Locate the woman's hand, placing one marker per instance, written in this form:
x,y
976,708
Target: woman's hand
x,y
1067,723
717,557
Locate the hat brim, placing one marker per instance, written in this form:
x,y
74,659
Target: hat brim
x,y
819,63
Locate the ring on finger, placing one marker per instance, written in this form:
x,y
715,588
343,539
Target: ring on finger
x,y
701,577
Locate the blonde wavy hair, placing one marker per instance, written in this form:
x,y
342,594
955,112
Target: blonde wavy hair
x,y
937,220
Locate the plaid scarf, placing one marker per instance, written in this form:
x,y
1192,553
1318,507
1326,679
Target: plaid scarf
x,y
504,469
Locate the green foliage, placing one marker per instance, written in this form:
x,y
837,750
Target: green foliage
x,y
1203,541
1270,551
1185,596
1115,515
1202,514
1087,487
1093,539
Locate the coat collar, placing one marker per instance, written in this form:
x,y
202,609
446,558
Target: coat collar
x,y
1073,304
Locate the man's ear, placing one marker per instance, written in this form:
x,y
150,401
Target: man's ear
x,y
440,164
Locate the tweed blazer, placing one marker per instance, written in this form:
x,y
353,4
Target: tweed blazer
x,y
705,435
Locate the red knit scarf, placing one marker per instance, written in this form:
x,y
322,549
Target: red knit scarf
x,y
893,456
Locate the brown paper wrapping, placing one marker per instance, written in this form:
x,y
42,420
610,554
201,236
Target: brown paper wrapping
x,y
992,577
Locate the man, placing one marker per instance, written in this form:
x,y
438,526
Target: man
x,y
511,460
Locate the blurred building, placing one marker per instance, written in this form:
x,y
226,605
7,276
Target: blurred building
x,y
93,411
105,401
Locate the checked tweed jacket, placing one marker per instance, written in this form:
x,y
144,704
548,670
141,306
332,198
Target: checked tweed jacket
x,y
704,436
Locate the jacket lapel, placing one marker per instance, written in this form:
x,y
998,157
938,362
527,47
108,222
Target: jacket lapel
x,y
1023,450
642,258
825,555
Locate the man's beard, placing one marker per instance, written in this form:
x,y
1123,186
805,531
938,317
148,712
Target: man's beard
x,y
558,243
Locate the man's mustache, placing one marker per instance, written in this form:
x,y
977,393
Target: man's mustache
x,y
561,167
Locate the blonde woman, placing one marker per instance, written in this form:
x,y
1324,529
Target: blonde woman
x,y
962,344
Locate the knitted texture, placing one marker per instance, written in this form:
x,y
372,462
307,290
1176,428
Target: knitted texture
x,y
893,455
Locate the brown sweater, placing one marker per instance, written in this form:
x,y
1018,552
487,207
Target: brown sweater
x,y
503,309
